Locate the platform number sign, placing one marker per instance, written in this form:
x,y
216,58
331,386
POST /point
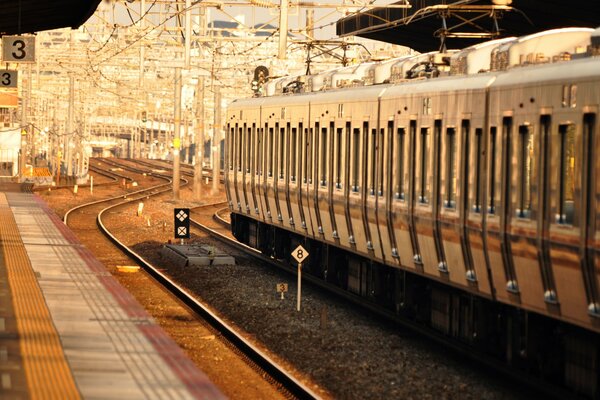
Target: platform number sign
x,y
8,78
18,49
182,223
300,254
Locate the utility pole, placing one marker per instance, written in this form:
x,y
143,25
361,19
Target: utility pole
x,y
177,133
283,29
70,129
199,138
216,140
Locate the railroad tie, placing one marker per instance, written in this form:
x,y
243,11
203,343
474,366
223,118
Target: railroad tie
x,y
46,369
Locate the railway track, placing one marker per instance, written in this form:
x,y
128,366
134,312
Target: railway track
x,y
86,216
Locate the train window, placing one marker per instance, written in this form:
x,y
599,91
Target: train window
x,y
240,148
309,154
427,106
270,154
346,154
338,158
248,156
399,157
566,177
493,169
424,150
252,166
569,96
231,147
450,200
323,157
355,158
381,156
281,151
478,165
525,173
294,138
259,151
372,154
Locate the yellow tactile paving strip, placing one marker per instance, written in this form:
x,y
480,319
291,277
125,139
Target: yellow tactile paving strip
x,y
46,369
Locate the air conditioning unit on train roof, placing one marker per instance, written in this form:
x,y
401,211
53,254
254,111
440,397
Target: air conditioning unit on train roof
x,y
380,72
424,65
352,75
543,47
475,59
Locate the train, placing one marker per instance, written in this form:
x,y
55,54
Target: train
x,y
457,189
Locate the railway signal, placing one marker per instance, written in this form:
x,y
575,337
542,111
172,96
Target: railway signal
x,y
181,223
300,254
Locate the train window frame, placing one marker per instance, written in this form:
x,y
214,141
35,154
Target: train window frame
x,y
322,155
281,147
562,216
338,157
371,153
493,159
231,144
424,189
240,147
399,181
451,168
293,155
260,142
525,172
476,206
381,151
309,155
248,149
355,155
252,164
270,145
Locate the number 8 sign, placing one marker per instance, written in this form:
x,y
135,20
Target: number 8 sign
x,y
18,49
300,254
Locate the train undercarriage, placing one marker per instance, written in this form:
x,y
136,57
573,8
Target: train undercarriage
x,y
540,347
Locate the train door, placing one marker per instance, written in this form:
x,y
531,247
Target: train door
x,y
263,148
252,156
413,195
229,175
338,204
358,238
453,175
571,204
403,160
242,171
422,211
309,184
436,174
522,213
373,148
384,207
323,188
280,181
475,176
293,167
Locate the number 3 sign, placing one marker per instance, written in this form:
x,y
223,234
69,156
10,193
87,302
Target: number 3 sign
x,y
18,49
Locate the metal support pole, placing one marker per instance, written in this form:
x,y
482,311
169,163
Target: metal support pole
x,y
69,134
199,138
188,32
283,29
177,133
216,140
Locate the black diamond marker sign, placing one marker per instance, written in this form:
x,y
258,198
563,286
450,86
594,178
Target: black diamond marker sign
x,y
182,223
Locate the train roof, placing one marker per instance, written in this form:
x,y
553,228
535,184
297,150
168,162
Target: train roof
x,y
548,47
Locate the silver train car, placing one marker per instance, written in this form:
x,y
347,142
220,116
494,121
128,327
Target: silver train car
x,y
461,190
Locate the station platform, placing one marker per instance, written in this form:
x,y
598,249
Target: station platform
x,y
68,329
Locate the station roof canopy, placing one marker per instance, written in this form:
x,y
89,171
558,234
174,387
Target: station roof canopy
x,y
28,16
424,24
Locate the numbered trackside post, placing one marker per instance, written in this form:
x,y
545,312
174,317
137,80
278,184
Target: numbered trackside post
x,y
300,255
